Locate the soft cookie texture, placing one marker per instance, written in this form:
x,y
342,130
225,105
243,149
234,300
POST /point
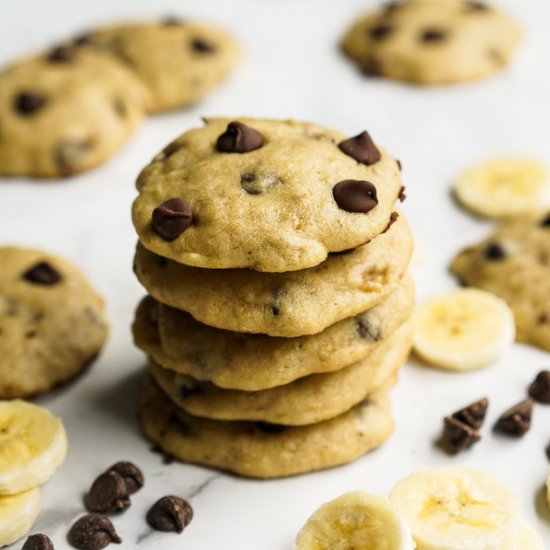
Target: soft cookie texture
x,y
178,61
289,304
66,111
247,362
264,450
52,322
433,41
514,263
270,195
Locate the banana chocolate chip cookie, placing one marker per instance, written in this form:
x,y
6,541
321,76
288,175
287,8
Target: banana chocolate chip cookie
x,y
433,41
269,195
52,322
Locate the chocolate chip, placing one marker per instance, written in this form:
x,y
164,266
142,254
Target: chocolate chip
x,y
546,221
42,274
547,450
361,148
172,20
433,35
268,428
366,332
458,435
130,473
543,318
476,6
275,310
61,54
172,218
93,532
38,542
494,252
170,513
256,184
379,32
516,421
402,195
399,164
355,196
393,218
391,6
188,388
372,66
70,154
84,40
473,415
27,103
239,138
201,46
539,390
108,494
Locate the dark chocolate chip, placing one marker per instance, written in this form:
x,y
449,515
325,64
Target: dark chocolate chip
x,y
458,435
188,387
268,428
393,218
366,332
399,164
42,273
355,196
28,103
402,195
130,473
372,66
61,54
539,390
546,221
93,532
473,6
494,252
361,148
84,40
543,318
70,154
473,415
38,542
381,31
547,450
275,310
170,20
108,494
433,35
172,218
170,513
201,46
392,6
239,138
516,421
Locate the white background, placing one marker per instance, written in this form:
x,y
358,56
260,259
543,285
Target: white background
x,y
291,68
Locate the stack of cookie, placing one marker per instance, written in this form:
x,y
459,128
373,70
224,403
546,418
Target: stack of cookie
x,y
279,307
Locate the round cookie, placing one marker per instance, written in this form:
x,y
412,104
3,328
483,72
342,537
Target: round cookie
x,y
65,112
269,195
178,61
433,41
289,304
307,400
263,450
514,264
52,323
257,362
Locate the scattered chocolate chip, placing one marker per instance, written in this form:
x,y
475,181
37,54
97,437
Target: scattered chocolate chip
x,y
547,450
172,218
170,513
399,164
42,273
201,46
391,6
61,54
172,20
84,40
473,415
494,252
93,532
130,473
476,6
393,218
108,494
372,66
402,195
366,332
239,138
516,421
38,542
543,318
361,148
546,221
539,390
268,428
31,334
355,196
27,103
188,387
458,435
433,35
275,310
70,154
379,32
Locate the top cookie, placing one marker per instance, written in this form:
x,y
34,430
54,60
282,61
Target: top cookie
x,y
432,41
269,195
179,62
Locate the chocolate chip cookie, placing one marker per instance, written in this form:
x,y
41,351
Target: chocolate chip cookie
x,y
52,322
269,195
514,263
66,111
433,42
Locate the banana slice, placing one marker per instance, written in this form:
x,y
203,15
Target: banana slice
x,y
464,329
17,515
458,509
355,521
33,444
529,539
505,187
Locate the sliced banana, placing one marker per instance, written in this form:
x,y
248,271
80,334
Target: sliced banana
x,y
529,539
464,329
505,187
33,444
355,521
456,508
17,515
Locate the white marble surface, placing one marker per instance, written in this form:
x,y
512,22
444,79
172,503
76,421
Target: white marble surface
x,y
291,68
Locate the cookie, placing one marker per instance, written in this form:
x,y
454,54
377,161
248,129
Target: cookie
x,y
269,195
307,400
178,61
264,450
514,264
433,42
65,112
256,362
52,322
289,304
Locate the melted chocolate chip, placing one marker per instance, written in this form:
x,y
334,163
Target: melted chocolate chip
x,y
355,196
93,532
28,103
473,415
402,195
433,35
539,390
201,46
545,221
108,494
366,332
372,66
70,154
543,318
275,310
239,138
170,513
494,252
361,148
459,436
84,40
393,218
268,428
381,31
172,218
38,542
516,421
61,54
256,184
399,164
43,273
130,473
